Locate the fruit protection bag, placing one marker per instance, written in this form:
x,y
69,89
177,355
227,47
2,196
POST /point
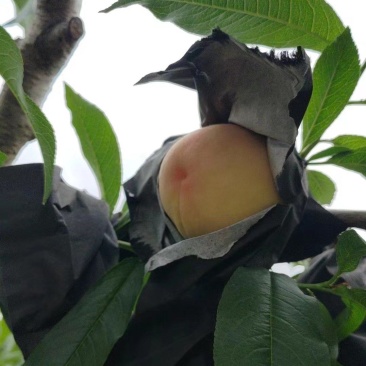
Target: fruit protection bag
x,y
50,254
175,318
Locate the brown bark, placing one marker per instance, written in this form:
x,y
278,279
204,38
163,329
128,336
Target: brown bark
x,y
46,48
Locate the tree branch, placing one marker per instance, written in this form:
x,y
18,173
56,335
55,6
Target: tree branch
x,y
46,48
357,102
363,66
351,218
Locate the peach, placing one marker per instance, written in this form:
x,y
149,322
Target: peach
x,y
214,177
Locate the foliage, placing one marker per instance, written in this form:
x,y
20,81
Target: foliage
x,y
322,187
86,335
285,24
99,144
261,313
10,354
246,331
25,12
350,249
289,23
3,158
11,69
335,77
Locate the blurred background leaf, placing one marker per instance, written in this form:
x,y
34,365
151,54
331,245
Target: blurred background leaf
x,y
10,355
25,13
3,158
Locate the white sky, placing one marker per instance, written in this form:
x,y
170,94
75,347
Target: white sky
x,y
124,45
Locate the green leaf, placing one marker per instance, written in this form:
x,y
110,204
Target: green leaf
x,y
354,160
10,354
3,158
11,69
350,249
11,65
99,144
335,77
25,13
321,187
328,152
20,4
355,294
86,335
352,142
287,23
264,319
350,319
123,220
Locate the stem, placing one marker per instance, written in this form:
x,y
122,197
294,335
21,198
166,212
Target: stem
x,y
326,141
316,287
125,245
122,222
357,102
305,152
317,163
351,218
363,67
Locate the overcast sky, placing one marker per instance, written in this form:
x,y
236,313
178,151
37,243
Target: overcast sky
x,y
121,47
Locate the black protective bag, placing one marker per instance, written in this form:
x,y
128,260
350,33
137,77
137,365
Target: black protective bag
x,y
51,254
175,317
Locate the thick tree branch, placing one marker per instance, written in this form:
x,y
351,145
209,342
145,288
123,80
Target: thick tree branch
x,y
351,218
45,49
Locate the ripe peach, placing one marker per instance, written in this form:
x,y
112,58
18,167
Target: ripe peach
x,y
215,177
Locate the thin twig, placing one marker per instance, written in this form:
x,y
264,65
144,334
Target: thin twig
x,y
318,162
355,219
363,66
357,102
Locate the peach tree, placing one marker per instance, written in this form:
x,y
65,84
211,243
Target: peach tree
x,y
182,275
